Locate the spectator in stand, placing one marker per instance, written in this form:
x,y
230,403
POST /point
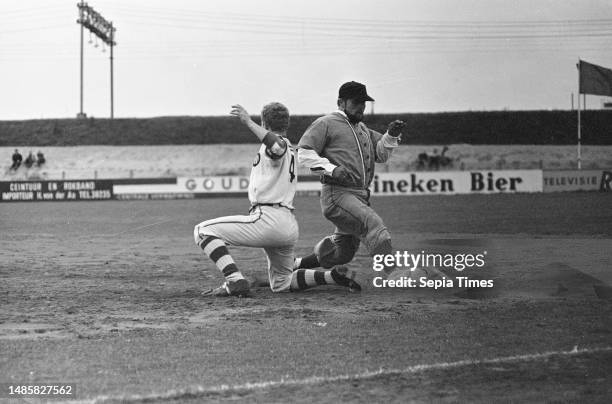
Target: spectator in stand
x,y
17,158
40,158
30,160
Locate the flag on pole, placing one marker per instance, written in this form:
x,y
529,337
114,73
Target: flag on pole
x,y
594,79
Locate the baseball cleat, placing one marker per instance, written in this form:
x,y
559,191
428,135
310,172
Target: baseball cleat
x,y
238,288
346,277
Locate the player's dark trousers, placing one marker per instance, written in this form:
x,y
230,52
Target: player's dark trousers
x,y
349,210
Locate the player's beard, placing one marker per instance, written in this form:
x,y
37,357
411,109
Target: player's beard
x,y
354,118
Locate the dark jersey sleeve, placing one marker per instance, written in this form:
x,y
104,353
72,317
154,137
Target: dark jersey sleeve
x,y
276,147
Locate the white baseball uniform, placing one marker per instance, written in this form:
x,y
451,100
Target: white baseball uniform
x,y
270,224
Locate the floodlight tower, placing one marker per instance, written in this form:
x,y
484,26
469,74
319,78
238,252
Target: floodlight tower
x,y
103,29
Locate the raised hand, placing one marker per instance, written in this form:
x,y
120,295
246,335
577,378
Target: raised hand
x,y
395,128
239,111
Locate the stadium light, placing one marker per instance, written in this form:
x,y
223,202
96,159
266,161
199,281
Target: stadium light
x,y
103,29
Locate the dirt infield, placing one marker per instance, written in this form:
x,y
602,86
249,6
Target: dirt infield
x,y
107,295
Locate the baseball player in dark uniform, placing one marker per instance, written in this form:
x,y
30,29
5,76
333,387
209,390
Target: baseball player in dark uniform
x,y
341,148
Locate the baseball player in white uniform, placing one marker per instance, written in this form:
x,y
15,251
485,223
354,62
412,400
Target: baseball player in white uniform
x,y
270,223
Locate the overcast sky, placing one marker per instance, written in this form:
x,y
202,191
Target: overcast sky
x,y
197,57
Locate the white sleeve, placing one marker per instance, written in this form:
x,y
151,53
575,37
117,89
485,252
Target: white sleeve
x,y
385,146
310,159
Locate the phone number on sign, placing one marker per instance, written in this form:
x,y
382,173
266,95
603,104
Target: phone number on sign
x,y
23,390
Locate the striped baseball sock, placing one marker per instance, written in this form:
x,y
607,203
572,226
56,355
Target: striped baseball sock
x,y
306,278
216,249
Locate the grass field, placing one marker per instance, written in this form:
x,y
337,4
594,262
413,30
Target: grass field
x,y
107,295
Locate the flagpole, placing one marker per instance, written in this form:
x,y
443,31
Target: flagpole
x,y
579,134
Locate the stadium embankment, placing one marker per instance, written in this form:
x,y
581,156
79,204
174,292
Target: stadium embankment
x,y
168,161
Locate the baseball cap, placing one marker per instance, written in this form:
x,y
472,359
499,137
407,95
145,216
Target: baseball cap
x,y
355,91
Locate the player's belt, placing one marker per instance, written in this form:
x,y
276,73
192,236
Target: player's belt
x,y
274,205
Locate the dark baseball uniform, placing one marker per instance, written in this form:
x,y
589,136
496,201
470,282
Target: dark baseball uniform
x,y
332,141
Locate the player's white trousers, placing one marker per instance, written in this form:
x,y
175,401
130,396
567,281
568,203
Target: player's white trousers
x,y
272,228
